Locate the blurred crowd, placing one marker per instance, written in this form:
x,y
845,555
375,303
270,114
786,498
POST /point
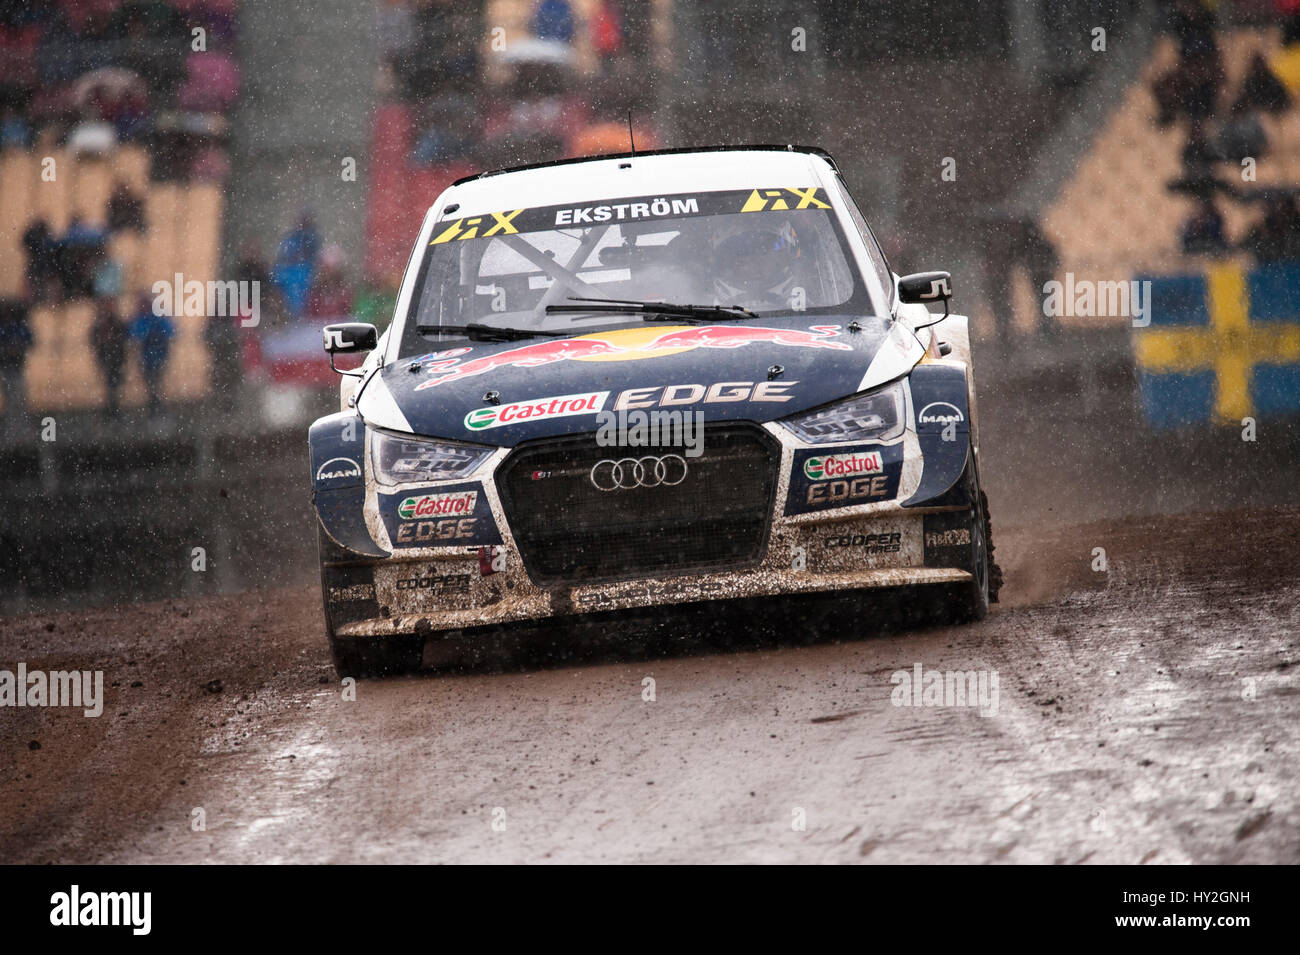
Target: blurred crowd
x,y
1226,140
90,74
77,265
566,86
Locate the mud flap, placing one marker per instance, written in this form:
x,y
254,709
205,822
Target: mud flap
x,y
943,431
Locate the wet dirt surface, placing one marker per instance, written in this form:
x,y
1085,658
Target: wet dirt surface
x,y
1146,713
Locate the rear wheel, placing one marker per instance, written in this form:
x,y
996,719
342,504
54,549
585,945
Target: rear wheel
x,y
362,657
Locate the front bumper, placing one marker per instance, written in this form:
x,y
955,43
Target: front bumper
x,y
501,606
447,556
818,540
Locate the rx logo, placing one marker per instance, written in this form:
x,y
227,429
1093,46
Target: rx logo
x,y
468,228
761,200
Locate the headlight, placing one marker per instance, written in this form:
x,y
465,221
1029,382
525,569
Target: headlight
x,y
875,416
408,460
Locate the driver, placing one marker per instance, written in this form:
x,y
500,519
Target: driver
x,y
754,261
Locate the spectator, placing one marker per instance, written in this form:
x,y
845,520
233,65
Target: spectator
x,y
1012,244
301,245
395,26
42,260
1191,87
1261,89
444,138
1241,134
154,333
553,21
444,53
221,334
125,210
108,340
295,262
14,130
108,279
251,270
1201,152
80,248
15,340
1202,233
330,295
1276,237
607,29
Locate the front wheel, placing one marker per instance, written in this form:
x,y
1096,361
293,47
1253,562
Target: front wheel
x,y
362,657
970,601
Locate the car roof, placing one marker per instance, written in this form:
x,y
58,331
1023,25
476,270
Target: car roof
x,y
663,171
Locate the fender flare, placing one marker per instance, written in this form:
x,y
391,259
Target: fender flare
x,y
337,453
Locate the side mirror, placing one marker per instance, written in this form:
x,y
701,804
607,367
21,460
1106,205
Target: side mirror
x,y
350,337
923,287
347,338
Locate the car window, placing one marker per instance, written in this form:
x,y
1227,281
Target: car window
x,y
878,261
773,258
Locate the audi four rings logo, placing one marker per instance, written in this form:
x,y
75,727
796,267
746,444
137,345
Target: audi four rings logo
x,y
627,473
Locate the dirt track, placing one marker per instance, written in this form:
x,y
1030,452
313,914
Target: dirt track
x,y
1121,733
1145,714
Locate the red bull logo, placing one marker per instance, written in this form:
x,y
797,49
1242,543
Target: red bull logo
x,y
631,344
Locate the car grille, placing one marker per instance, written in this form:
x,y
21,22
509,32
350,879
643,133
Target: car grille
x,y
568,530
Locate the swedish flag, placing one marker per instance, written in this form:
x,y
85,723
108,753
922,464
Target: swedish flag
x,y
1221,346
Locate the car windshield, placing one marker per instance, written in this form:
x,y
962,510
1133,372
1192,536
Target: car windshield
x,y
777,251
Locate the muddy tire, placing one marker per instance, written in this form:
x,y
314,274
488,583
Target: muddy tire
x,y
970,602
363,657
376,656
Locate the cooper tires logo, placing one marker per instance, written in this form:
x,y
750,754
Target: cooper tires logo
x,y
628,473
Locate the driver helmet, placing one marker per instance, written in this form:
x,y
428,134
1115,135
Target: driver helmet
x,y
755,260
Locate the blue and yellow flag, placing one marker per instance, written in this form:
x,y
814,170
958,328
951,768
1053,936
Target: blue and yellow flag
x,y
1221,346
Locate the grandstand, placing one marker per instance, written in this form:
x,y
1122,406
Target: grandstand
x,y
184,234
1115,218
114,93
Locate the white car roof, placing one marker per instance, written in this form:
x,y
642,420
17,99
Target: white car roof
x,y
645,175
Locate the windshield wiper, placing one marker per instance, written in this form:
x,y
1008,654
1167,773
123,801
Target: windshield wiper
x,y
489,333
654,311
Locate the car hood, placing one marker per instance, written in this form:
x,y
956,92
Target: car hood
x,y
505,392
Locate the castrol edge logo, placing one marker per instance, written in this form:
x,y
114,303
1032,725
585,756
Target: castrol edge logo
x,y
438,505
823,468
562,406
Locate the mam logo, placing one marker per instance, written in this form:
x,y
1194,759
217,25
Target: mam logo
x,y
842,465
338,468
438,505
563,406
940,412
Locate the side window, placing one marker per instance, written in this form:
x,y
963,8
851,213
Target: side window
x,y
878,260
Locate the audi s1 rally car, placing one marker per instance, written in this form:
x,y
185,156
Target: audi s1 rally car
x,y
651,379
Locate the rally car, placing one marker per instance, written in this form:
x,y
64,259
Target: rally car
x,y
659,378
